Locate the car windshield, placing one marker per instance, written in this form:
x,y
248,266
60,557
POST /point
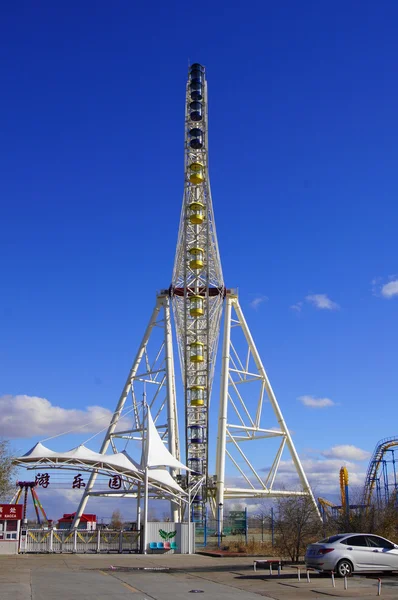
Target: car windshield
x,y
331,540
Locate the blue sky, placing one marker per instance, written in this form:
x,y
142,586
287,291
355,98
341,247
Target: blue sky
x,y
303,130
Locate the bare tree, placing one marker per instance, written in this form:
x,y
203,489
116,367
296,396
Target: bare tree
x,y
152,516
7,471
297,524
116,520
379,517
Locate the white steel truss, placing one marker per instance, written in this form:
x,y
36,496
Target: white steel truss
x,y
197,294
241,420
151,377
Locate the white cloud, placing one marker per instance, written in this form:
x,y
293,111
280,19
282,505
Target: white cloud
x,y
346,452
297,307
323,474
255,303
375,283
28,416
312,465
385,290
313,402
322,302
389,290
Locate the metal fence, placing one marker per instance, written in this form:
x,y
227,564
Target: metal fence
x,y
79,541
239,531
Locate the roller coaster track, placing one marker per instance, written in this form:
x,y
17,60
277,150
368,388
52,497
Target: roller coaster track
x,y
373,472
327,506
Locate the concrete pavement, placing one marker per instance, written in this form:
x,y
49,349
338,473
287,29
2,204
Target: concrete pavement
x,y
162,577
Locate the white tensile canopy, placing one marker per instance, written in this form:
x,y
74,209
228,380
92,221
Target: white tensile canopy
x,y
154,452
120,462
156,458
155,461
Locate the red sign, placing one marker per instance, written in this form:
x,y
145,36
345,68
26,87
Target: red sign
x,y
11,512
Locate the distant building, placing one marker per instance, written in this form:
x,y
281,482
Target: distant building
x,y
88,522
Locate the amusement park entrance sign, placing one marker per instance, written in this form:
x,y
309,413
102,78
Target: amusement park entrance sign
x,y
11,512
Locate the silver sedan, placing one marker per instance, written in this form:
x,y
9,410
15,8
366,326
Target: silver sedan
x,y
349,552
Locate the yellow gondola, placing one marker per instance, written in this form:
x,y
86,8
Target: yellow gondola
x,y
196,306
196,261
196,176
197,393
196,352
196,213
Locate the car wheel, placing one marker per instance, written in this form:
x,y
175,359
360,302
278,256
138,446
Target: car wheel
x,y
344,568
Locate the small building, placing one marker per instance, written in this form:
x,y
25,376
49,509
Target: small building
x,y
87,521
10,523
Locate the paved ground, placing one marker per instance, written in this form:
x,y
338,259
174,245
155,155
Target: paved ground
x,y
133,577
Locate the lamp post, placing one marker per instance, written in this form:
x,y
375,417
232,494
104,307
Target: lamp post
x,y
272,526
146,495
246,528
189,520
220,525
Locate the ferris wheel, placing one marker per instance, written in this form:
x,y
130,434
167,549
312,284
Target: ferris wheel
x,y
237,455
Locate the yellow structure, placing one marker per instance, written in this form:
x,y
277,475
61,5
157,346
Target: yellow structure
x,y
196,213
196,306
326,504
344,487
196,261
196,352
196,176
197,395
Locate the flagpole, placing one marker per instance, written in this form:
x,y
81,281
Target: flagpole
x,y
145,509
139,507
145,455
189,520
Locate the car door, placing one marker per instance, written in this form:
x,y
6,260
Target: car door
x,y
359,552
384,552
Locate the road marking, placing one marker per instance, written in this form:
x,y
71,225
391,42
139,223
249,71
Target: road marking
x,y
126,585
129,587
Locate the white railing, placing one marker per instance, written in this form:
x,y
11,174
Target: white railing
x,y
79,541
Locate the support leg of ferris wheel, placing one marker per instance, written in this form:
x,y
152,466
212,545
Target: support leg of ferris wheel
x,y
222,417
233,303
162,303
171,401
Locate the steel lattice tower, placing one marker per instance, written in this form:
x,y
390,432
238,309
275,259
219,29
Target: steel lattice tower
x,y
197,289
198,295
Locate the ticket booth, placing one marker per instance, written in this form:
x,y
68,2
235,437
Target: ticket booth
x,y
10,525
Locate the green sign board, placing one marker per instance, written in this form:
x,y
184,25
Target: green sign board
x,y
237,521
237,515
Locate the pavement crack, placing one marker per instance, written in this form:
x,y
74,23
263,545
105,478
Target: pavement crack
x,y
120,580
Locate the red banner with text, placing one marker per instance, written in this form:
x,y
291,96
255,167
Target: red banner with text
x,y
11,512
